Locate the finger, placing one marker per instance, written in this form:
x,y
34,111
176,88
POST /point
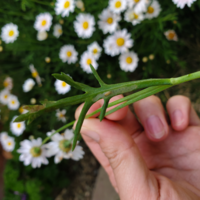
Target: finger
x,y
153,118
132,177
116,116
131,124
100,156
181,113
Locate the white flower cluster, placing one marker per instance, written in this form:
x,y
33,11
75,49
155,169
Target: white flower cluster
x,y
118,42
6,98
35,153
7,142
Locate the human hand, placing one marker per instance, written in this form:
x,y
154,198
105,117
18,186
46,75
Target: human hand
x,y
154,159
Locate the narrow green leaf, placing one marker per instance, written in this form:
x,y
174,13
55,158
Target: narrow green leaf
x,y
103,109
81,118
64,77
97,76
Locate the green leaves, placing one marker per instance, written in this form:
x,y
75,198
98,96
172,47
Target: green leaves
x,y
64,77
105,92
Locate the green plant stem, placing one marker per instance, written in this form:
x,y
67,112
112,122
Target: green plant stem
x,y
129,99
57,131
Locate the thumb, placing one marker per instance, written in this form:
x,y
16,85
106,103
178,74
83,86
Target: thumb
x,y
133,179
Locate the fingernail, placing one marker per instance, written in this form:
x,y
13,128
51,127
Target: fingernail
x,y
155,127
177,117
91,134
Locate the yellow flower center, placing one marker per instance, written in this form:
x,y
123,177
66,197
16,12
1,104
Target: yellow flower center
x,y
5,96
64,146
64,84
110,20
67,4
9,143
19,125
171,36
136,1
36,151
13,102
118,4
95,51
11,33
34,74
85,25
89,61
5,83
135,16
69,53
129,60
61,115
120,42
150,10
44,22
21,110
60,31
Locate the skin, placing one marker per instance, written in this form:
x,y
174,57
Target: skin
x,y
153,156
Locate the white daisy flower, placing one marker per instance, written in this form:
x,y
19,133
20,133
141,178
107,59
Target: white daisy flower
x,y
9,33
182,3
13,103
128,61
17,128
60,114
108,21
120,42
171,35
35,74
33,153
43,22
4,96
153,10
57,30
139,5
84,25
134,17
68,54
3,136
87,58
117,6
7,142
61,147
42,35
64,7
8,83
28,85
62,87
95,49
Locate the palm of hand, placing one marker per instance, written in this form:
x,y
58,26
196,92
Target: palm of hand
x,y
149,167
